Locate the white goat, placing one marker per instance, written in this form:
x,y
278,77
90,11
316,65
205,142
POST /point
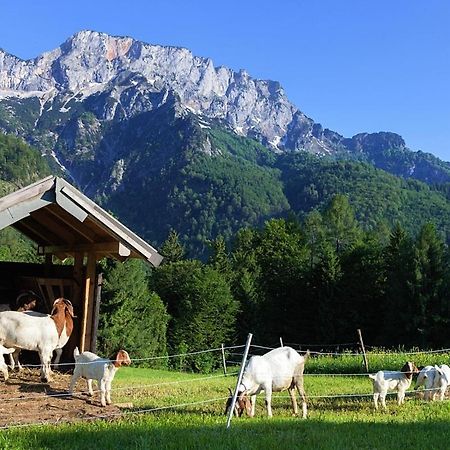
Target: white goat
x,y
91,367
278,370
427,377
42,334
3,366
384,381
14,357
442,380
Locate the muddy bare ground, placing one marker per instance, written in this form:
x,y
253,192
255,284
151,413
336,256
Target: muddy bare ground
x,y
24,399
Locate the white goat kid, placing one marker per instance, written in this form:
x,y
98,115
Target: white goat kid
x,y
42,334
442,380
91,367
384,381
427,378
278,370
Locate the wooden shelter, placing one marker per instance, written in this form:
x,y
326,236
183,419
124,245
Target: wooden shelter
x,y
65,223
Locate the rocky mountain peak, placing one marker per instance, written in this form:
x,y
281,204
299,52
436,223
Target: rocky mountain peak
x,y
118,78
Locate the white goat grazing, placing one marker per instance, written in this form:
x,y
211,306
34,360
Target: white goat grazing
x,y
427,377
3,366
442,380
91,367
42,334
384,381
276,371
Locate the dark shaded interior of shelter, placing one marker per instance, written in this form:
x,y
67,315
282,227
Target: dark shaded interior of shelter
x,y
48,282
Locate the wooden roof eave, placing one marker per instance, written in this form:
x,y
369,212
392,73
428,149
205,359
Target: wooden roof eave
x,y
54,190
77,203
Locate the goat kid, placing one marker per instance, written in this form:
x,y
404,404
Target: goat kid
x,y
384,381
242,404
91,367
442,380
278,370
427,377
40,333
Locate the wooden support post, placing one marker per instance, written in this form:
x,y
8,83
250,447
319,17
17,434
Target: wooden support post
x,y
241,372
48,265
224,363
89,288
98,294
78,279
363,350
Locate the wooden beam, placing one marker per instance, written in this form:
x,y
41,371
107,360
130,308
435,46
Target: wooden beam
x,y
100,247
96,314
105,220
88,303
67,219
27,232
44,234
52,223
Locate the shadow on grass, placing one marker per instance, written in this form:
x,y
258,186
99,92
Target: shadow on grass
x,y
177,431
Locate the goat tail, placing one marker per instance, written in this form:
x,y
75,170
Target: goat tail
x,y
306,355
76,352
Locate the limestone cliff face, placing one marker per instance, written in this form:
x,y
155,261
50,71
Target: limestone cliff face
x,y
89,62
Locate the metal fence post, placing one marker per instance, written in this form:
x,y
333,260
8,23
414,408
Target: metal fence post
x,y
224,361
241,372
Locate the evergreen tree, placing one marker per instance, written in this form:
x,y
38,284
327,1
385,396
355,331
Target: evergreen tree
x,y
172,249
342,227
361,290
430,271
245,283
131,316
220,259
324,281
315,235
283,258
398,324
203,311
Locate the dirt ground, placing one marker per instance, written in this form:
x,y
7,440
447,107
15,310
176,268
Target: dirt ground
x,y
24,399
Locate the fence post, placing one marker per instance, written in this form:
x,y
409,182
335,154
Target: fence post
x,y
241,372
224,361
363,349
281,342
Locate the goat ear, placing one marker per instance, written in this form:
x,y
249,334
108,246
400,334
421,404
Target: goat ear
x,y
231,392
69,307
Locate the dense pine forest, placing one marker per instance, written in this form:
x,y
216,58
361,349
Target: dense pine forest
x,y
311,277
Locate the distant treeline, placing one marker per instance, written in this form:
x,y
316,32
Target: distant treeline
x,y
315,282
312,282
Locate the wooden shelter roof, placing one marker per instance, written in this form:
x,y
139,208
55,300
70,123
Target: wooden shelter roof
x,y
63,221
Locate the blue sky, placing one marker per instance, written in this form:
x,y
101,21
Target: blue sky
x,y
351,65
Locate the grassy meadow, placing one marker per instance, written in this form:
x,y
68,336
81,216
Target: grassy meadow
x,y
337,423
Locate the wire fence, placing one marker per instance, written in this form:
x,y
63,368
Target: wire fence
x,y
230,351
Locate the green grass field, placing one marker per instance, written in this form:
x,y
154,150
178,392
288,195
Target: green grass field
x,y
347,422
